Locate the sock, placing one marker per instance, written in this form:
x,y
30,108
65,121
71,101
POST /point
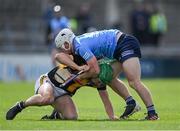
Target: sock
x,y
130,100
151,109
21,105
55,115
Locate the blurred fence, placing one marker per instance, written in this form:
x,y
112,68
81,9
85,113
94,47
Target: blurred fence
x,y
28,67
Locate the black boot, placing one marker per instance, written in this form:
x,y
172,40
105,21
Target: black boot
x,y
152,116
54,115
130,109
13,111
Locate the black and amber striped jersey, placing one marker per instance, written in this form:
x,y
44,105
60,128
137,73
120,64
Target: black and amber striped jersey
x,y
60,75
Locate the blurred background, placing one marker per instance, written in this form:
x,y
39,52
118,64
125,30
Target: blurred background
x,y
28,28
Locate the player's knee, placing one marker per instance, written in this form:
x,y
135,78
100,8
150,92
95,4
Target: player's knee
x,y
47,100
134,84
71,117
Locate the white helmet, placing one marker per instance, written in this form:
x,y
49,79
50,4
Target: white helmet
x,y
65,35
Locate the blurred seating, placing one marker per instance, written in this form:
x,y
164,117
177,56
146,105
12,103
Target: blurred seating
x,y
22,28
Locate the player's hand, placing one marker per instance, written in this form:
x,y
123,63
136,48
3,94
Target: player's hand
x,y
84,68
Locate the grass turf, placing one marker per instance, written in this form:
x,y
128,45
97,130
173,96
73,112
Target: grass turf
x,y
91,112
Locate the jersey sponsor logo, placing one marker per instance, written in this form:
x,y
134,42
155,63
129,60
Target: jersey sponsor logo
x,y
128,52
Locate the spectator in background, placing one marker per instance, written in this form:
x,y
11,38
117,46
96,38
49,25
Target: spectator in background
x,y
139,20
57,23
84,18
48,15
20,72
157,26
117,25
74,24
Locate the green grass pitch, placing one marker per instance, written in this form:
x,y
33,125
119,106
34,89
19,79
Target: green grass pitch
x,y
91,111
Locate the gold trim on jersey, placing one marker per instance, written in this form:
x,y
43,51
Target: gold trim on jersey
x,y
61,66
72,88
42,79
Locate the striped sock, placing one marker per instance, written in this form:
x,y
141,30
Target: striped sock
x,y
21,105
130,100
151,109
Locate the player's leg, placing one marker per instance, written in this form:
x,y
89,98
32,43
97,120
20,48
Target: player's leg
x,y
121,89
132,70
128,53
44,97
66,107
117,85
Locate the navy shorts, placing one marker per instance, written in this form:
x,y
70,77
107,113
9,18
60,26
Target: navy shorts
x,y
127,46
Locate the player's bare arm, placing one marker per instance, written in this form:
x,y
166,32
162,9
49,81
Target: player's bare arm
x,y
93,69
67,60
107,104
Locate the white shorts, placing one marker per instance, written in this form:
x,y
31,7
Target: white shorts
x,y
58,92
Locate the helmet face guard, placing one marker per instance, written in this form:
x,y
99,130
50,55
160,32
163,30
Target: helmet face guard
x,y
64,36
64,47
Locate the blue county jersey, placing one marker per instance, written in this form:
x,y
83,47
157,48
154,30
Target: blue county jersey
x,y
99,44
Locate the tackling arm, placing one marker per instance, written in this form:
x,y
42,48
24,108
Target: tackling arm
x,y
93,70
107,104
66,60
105,98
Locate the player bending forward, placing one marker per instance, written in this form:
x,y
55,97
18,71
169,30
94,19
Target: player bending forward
x,y
49,90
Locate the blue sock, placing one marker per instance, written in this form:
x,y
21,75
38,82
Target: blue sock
x,y
130,100
151,109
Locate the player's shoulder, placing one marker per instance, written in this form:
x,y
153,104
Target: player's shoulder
x,y
110,30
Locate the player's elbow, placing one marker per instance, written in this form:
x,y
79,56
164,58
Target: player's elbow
x,y
97,71
94,67
58,56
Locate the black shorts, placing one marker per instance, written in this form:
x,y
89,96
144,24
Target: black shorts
x,y
127,46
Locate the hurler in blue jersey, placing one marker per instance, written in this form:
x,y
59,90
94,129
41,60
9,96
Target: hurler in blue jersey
x,y
112,44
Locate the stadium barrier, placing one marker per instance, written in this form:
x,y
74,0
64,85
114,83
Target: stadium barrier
x,y
14,66
160,67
